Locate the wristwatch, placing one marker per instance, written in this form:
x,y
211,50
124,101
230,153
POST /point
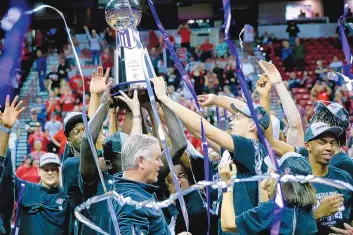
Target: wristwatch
x,y
5,129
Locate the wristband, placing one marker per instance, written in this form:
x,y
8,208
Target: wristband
x,y
5,130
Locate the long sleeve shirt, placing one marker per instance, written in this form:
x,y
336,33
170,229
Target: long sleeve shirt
x,y
94,42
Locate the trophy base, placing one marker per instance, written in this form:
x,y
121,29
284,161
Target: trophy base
x,y
140,86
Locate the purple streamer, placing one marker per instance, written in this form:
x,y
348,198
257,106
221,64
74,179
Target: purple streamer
x,y
18,208
187,81
217,114
227,19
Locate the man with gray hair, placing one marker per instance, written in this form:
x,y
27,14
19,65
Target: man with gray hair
x,y
141,161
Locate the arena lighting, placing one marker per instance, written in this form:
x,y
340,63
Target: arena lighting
x,y
261,48
258,46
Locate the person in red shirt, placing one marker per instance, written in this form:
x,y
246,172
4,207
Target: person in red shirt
x,y
206,50
37,150
28,171
67,100
107,59
52,105
321,91
76,84
59,139
185,33
39,135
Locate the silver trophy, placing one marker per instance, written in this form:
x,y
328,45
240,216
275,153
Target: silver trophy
x,y
131,58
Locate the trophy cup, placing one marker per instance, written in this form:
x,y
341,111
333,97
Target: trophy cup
x,y
130,56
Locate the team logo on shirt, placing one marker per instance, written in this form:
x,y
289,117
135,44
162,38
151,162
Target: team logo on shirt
x,y
60,201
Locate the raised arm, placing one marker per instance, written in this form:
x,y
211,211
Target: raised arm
x,y
295,135
113,125
191,118
87,33
263,87
177,138
88,166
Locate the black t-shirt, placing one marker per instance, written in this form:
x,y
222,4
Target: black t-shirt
x,y
54,77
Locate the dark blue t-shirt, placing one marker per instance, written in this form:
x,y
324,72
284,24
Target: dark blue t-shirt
x,y
249,158
322,191
70,173
43,210
259,220
143,220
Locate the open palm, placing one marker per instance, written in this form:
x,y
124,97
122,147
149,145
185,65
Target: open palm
x,y
99,81
271,71
11,112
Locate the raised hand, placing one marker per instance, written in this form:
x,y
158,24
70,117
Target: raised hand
x,y
133,104
271,71
160,87
85,27
263,85
347,231
11,113
99,81
207,100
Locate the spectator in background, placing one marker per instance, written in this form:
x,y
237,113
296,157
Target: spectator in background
x,y
198,76
221,49
52,104
227,92
107,59
154,58
153,40
174,95
320,70
185,33
63,69
37,150
206,50
39,40
220,74
306,80
292,30
41,65
59,139
40,136
32,124
95,46
336,65
51,128
172,78
39,107
293,81
287,56
69,55
321,91
299,55
76,44
76,84
162,67
109,37
211,82
249,73
53,76
67,101
53,125
28,171
265,38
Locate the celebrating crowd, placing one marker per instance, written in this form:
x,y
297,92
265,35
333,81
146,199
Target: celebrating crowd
x,y
134,165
